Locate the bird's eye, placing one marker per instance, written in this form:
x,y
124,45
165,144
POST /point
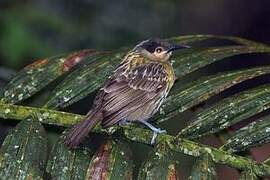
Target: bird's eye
x,y
159,49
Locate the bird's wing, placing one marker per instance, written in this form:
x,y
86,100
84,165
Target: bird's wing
x,y
129,89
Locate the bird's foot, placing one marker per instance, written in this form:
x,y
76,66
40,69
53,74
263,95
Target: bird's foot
x,y
155,133
155,130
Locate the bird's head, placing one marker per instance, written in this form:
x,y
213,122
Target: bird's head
x,y
157,49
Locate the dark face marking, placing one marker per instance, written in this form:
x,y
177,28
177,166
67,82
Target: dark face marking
x,y
151,47
152,44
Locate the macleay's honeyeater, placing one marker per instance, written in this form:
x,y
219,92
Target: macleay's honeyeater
x,y
134,92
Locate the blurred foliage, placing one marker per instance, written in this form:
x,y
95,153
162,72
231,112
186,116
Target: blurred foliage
x,y
18,41
45,29
34,29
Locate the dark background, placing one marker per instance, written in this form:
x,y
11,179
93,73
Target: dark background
x,y
35,29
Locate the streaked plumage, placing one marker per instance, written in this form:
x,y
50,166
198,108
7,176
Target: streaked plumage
x,y
134,92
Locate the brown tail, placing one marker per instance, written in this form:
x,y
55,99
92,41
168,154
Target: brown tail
x,y
79,131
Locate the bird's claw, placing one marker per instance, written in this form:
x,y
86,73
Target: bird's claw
x,y
155,133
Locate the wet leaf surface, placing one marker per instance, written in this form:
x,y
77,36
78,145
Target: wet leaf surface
x,y
255,134
188,95
192,59
67,164
113,160
160,165
39,74
83,81
24,151
89,78
24,156
228,112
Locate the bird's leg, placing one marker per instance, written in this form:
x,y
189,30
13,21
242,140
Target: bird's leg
x,y
155,130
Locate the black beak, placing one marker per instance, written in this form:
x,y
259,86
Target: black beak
x,y
176,47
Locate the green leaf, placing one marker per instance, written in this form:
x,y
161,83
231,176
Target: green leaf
x,y
27,146
203,168
255,134
37,75
160,165
190,94
181,145
12,168
52,117
31,80
83,81
228,112
68,164
113,160
192,59
185,62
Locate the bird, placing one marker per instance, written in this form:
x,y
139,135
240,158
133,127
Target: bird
x,y
134,92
